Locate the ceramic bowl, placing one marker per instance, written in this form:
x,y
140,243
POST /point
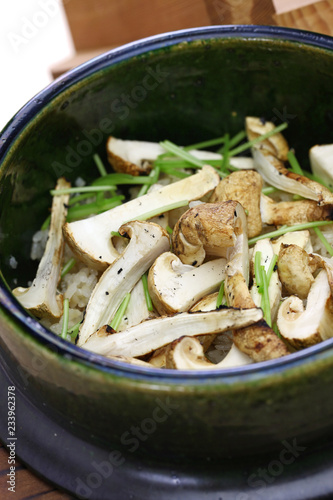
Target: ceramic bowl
x,y
185,86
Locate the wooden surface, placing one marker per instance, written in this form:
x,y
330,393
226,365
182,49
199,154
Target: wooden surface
x,y
28,485
100,24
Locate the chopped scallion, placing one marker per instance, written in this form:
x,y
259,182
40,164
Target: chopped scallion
x,y
271,268
161,210
289,229
120,312
220,295
146,291
100,165
173,148
65,319
260,138
67,267
295,166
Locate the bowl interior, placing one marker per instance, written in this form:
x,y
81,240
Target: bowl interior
x,y
185,90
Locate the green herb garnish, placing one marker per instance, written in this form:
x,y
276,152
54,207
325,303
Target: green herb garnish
x,y
289,229
67,267
260,138
65,319
146,292
220,295
120,312
295,166
99,165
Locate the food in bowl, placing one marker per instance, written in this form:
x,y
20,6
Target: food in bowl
x,y
185,271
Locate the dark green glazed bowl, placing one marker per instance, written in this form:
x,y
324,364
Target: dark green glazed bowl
x,y
185,86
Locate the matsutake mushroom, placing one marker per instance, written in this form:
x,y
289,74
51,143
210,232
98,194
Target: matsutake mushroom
x,y
136,157
148,241
258,341
269,157
155,333
304,326
187,353
266,250
41,298
321,161
90,239
245,187
292,212
210,229
296,268
137,309
175,287
299,238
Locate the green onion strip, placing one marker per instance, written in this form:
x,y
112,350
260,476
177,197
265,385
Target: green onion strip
x,y
65,319
120,312
146,292
289,229
220,295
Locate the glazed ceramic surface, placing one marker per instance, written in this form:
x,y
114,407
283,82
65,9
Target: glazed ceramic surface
x,y
187,87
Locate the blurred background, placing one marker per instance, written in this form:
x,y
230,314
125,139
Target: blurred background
x,y
41,39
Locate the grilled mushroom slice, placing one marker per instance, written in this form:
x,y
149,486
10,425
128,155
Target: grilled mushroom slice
x,y
303,327
257,341
274,285
245,187
211,229
148,241
321,160
293,212
175,287
155,333
41,298
90,239
136,157
187,353
269,157
296,268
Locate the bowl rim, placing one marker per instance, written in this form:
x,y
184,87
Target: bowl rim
x,y
21,119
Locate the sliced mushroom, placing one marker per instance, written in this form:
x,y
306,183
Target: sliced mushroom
x,y
321,160
132,157
175,287
268,159
136,157
296,268
245,187
212,229
293,212
148,241
155,333
305,327
137,310
187,353
276,145
274,286
258,341
90,239
299,238
41,298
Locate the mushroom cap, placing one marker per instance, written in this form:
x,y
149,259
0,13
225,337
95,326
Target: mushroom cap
x,y
175,287
207,229
245,187
295,271
305,327
276,145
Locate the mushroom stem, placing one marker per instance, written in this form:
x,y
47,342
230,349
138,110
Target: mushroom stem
x,y
153,334
41,298
148,241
